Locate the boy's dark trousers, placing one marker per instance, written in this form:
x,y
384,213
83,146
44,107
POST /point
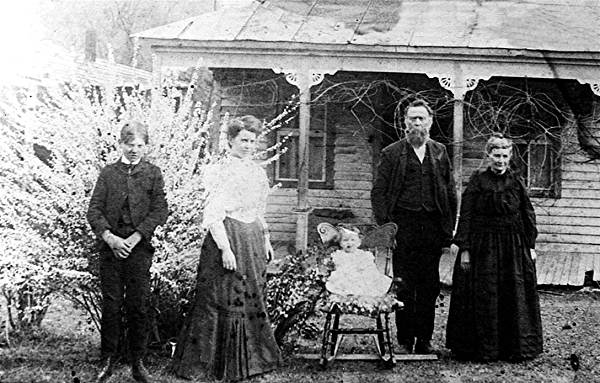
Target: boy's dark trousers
x,y
125,281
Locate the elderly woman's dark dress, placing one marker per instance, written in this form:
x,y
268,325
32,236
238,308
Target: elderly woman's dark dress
x,y
494,310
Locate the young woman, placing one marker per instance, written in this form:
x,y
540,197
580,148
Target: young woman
x,y
495,310
227,334
127,204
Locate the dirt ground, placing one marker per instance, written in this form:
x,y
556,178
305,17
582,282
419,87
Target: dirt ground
x,y
66,350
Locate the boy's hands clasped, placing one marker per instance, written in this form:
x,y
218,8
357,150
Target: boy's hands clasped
x,y
121,247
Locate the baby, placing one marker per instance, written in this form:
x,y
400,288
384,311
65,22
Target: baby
x,y
355,270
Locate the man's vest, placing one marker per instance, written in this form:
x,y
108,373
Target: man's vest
x,y
417,191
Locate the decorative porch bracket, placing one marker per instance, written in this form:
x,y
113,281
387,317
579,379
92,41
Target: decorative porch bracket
x,y
458,90
303,79
595,88
593,83
294,77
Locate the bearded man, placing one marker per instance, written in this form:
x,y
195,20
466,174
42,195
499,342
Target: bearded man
x,y
414,188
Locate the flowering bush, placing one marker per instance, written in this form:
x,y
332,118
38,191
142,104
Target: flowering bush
x,y
295,290
24,282
55,141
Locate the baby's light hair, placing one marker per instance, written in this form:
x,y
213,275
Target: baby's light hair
x,y
345,231
348,230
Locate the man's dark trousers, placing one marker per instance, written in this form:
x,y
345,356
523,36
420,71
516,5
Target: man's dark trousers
x,y
416,261
125,281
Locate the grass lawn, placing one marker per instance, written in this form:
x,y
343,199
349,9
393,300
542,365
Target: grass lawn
x,y
67,350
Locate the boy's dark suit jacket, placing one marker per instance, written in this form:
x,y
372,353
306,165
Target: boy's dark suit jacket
x,y
144,188
390,180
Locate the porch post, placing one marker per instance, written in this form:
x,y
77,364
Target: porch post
x,y
302,209
303,79
457,146
459,86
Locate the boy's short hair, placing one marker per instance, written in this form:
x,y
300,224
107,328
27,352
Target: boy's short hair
x,y
133,129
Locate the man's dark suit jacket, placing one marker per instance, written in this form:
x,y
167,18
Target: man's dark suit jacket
x,y
144,188
390,180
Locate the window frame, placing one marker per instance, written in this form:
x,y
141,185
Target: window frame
x,y
327,133
553,190
285,132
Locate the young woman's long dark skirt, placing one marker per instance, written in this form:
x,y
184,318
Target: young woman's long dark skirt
x,y
227,334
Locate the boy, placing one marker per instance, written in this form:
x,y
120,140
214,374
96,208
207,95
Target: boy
x,y
127,204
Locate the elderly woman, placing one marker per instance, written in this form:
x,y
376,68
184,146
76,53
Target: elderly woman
x,y
227,334
495,310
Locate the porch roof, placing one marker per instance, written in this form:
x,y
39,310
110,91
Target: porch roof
x,y
540,25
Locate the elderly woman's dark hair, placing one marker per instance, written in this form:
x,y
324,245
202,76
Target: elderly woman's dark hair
x,y
419,102
248,122
133,129
498,141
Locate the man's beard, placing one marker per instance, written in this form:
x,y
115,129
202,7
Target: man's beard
x,y
417,136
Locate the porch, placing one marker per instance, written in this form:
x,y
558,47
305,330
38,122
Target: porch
x,y
457,44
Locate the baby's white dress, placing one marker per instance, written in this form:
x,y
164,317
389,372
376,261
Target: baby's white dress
x,y
356,274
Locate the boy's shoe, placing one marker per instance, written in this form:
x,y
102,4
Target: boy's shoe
x,y
139,372
107,370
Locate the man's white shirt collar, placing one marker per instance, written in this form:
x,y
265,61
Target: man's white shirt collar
x,y
420,152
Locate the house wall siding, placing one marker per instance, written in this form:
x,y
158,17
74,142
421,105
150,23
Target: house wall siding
x,y
353,178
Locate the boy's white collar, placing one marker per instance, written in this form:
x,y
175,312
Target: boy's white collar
x,y
127,162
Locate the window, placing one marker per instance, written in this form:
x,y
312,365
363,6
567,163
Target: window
x,y
287,167
537,161
320,149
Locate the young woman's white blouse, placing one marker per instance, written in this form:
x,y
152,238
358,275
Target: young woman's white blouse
x,y
236,188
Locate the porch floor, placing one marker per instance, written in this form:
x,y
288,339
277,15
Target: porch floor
x,y
558,269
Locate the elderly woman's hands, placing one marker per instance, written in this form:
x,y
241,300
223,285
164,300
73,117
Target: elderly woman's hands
x,y
533,255
465,260
269,248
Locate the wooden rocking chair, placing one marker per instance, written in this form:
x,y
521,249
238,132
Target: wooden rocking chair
x,y
380,241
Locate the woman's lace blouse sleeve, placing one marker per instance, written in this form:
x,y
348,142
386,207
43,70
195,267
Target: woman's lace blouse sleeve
x,y
214,206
